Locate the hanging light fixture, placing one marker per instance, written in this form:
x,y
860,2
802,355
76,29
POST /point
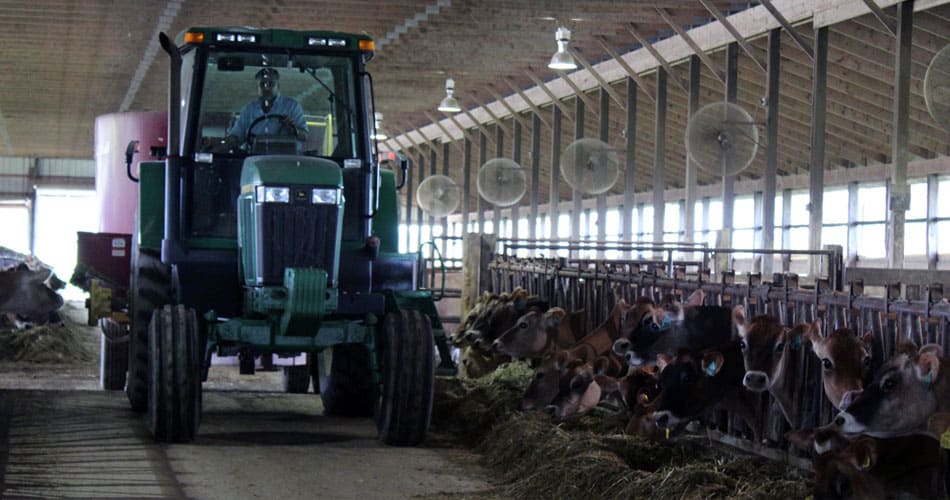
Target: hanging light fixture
x,y
562,59
450,104
378,133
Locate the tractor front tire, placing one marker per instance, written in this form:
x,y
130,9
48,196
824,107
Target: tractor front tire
x,y
174,395
345,380
151,288
407,363
296,379
113,355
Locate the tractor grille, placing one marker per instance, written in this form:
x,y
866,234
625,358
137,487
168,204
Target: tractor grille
x,y
295,235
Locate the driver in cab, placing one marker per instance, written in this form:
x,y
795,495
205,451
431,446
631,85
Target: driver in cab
x,y
269,114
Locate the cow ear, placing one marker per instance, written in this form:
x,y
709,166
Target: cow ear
x,y
795,336
932,348
555,313
738,317
928,368
696,298
813,332
712,363
662,360
865,452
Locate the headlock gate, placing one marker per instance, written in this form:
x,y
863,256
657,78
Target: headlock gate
x,y
920,314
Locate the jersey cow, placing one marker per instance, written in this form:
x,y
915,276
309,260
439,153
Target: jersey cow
x,y
650,330
692,384
770,353
905,393
845,362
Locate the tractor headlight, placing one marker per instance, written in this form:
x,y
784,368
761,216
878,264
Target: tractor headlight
x,y
271,194
325,196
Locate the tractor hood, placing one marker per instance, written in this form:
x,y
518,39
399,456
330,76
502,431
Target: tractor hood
x,y
288,170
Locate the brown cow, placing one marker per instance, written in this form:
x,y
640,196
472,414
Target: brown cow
x,y
539,334
770,352
845,362
907,391
869,467
601,339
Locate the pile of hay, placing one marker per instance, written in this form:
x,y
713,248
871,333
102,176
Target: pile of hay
x,y
589,457
50,343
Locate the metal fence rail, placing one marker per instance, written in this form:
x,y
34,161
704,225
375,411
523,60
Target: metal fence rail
x,y
890,318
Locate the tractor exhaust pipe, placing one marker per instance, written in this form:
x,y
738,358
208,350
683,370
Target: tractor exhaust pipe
x,y
171,243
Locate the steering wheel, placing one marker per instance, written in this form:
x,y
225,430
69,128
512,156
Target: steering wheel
x,y
249,141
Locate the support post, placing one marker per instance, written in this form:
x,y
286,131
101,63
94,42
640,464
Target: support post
x,y
535,157
659,155
899,194
771,151
630,134
555,193
692,168
579,112
816,171
729,180
602,198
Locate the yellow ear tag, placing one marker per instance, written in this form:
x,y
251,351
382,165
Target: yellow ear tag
x,y
667,433
945,440
867,463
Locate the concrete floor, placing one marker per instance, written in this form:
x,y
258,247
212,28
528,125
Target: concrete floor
x,y
61,437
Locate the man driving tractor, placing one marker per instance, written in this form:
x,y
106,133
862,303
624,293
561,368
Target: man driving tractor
x,y
269,114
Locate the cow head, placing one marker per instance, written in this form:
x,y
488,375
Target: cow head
x,y
578,397
767,347
640,324
532,335
846,473
845,362
546,383
687,390
901,397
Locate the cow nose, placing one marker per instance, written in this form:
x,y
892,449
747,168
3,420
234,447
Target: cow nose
x,y
662,420
839,421
495,346
848,398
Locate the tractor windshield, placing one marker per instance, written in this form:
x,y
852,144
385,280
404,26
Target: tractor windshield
x,y
278,103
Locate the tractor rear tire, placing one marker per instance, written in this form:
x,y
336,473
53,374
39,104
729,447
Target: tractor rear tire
x,y
346,381
113,356
174,395
296,379
407,363
151,288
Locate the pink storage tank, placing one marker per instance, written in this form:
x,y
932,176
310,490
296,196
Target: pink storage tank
x,y
116,195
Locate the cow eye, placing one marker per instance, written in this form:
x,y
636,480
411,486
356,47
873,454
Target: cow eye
x,y
539,375
826,364
523,325
743,345
866,361
780,347
888,384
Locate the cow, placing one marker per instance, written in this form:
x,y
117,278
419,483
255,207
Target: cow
x,y
538,334
845,362
25,295
649,330
869,467
578,396
692,384
770,352
599,341
907,391
549,379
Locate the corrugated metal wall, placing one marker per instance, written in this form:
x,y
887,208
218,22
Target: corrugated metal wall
x,y
17,179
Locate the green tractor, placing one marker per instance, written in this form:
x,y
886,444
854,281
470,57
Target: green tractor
x,y
279,243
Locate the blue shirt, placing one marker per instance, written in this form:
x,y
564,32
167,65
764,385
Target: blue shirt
x,y
252,111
